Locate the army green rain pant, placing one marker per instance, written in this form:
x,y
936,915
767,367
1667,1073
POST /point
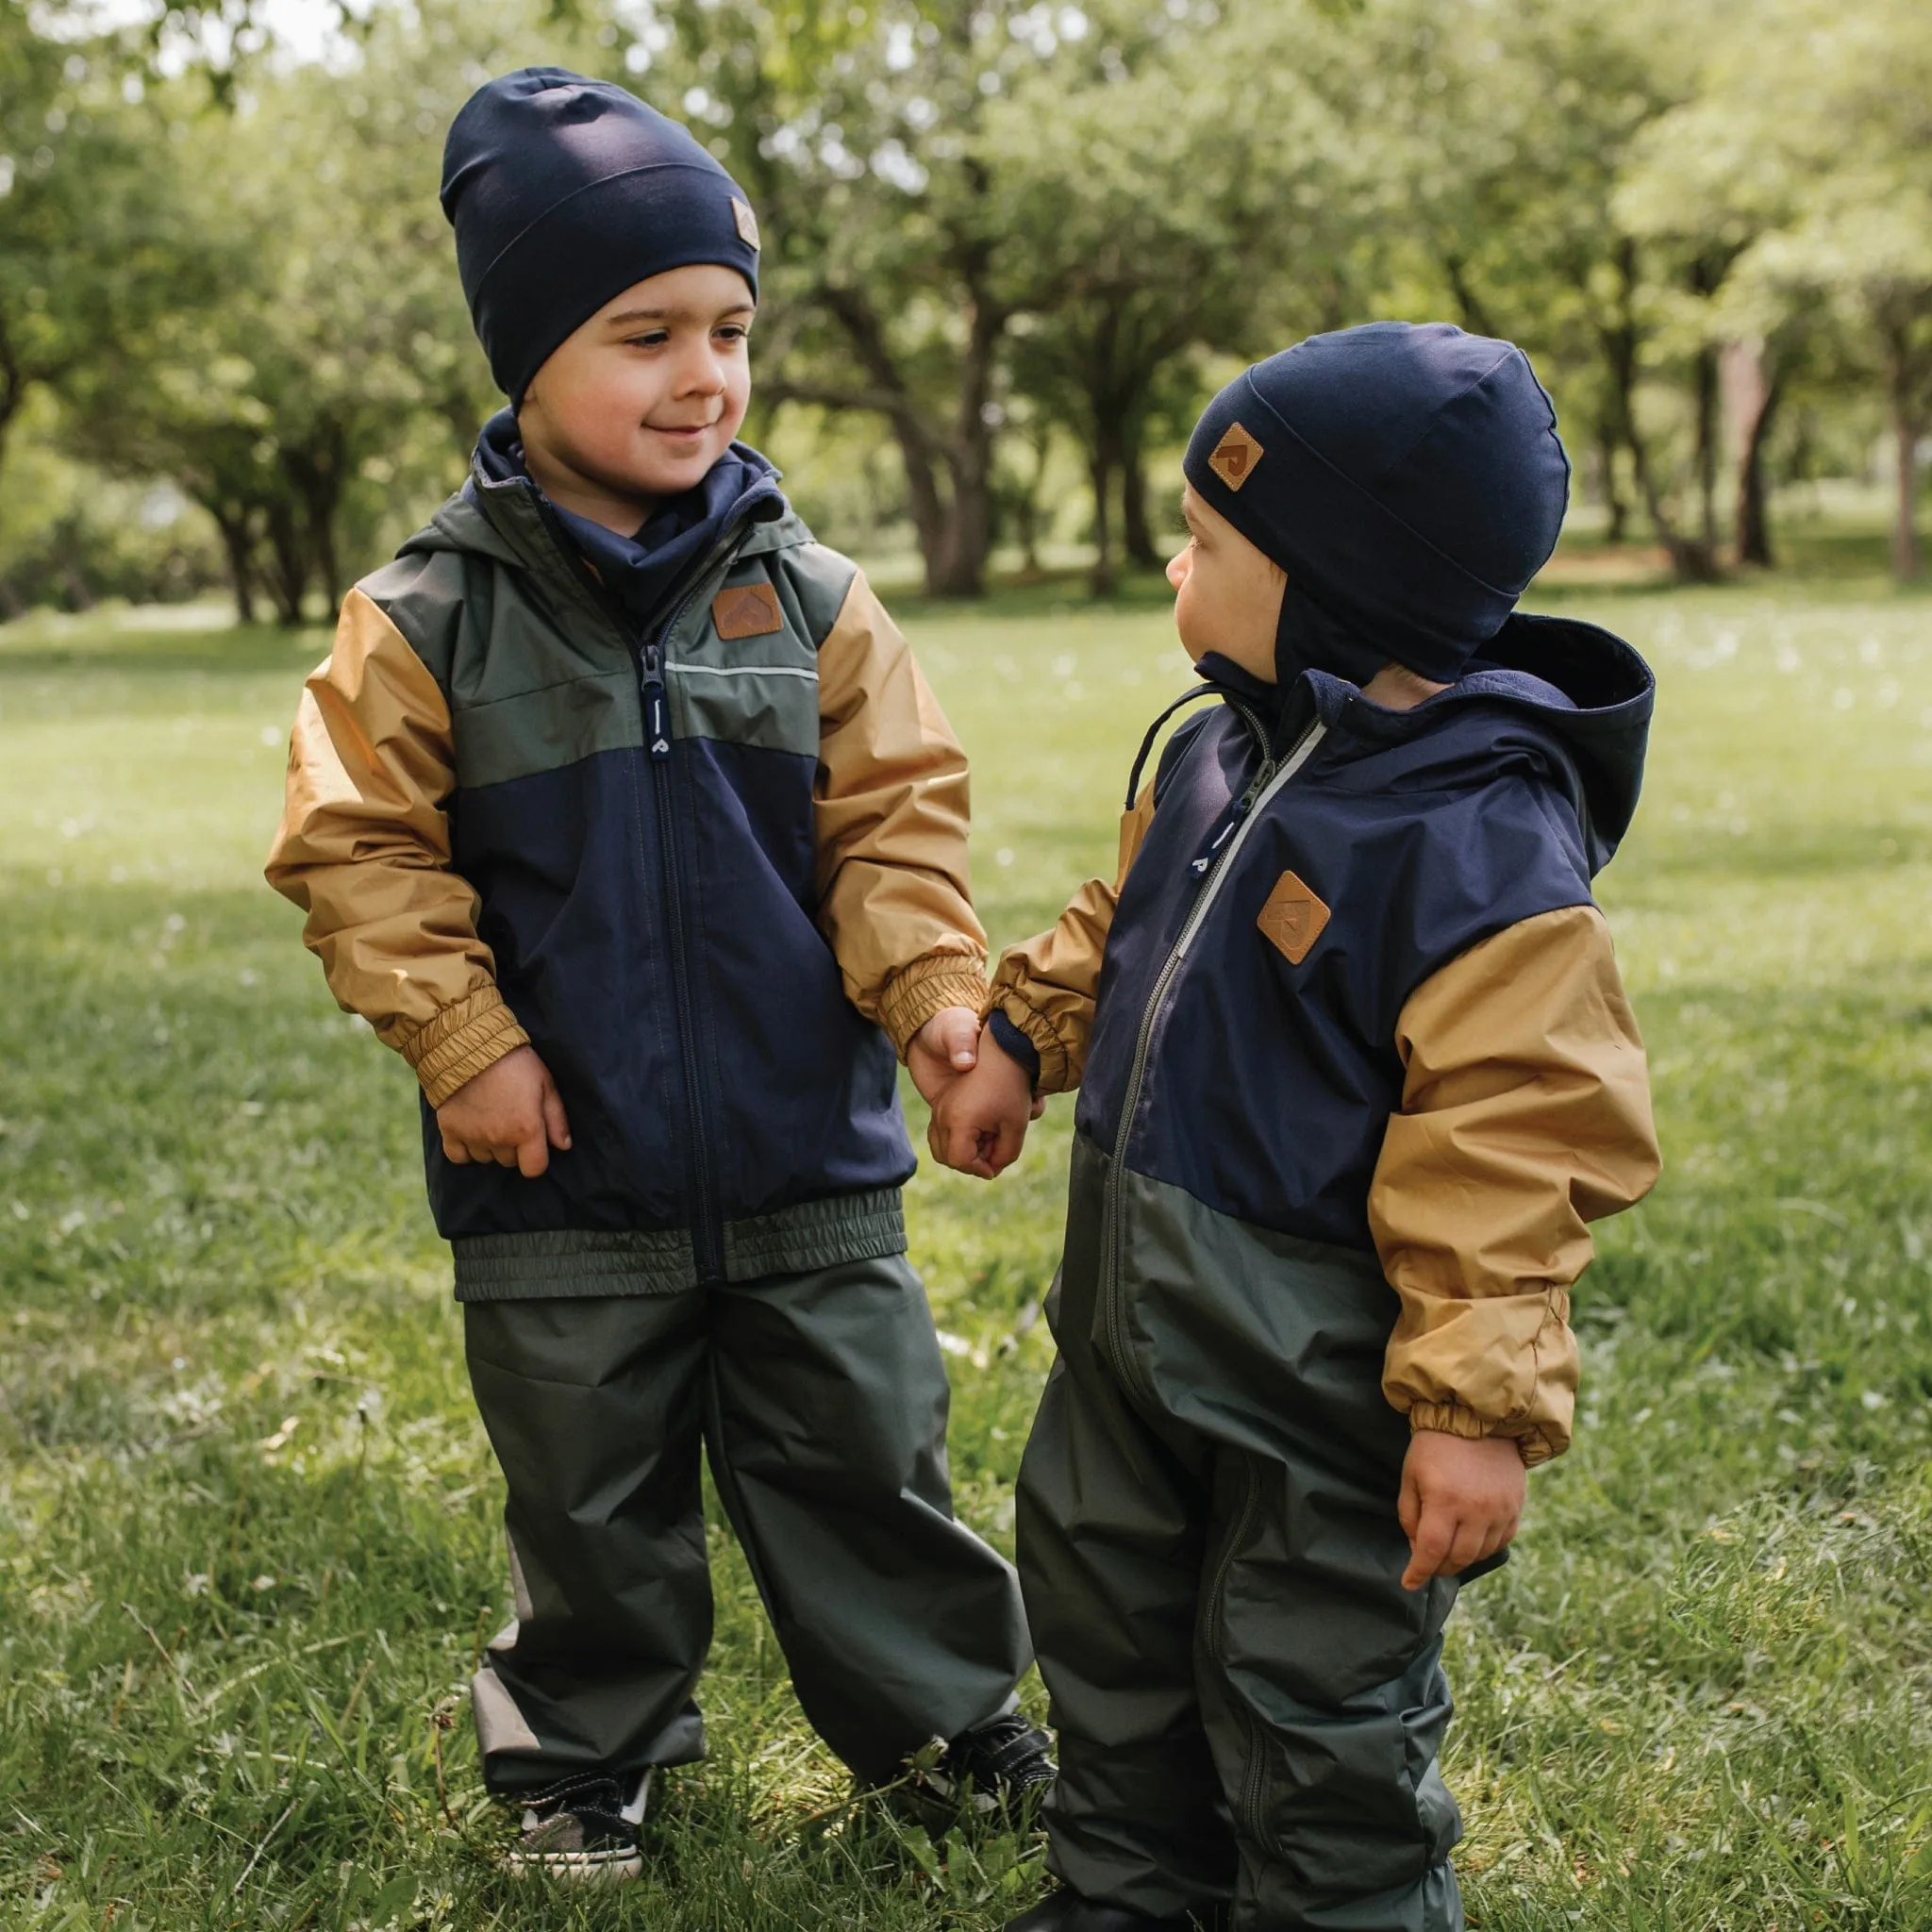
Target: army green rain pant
x,y
820,1400
1249,1704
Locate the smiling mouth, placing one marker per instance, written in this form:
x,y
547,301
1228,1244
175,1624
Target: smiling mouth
x,y
687,432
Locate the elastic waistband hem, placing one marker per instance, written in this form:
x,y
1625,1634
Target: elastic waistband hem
x,y
559,1263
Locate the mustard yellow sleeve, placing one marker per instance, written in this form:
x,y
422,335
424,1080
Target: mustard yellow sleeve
x,y
363,848
1046,985
1525,1116
892,812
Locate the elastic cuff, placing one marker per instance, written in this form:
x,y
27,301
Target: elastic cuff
x,y
1054,1062
1015,1046
928,986
1451,1419
461,1041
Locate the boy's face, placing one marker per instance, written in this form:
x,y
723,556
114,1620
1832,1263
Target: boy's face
x,y
1228,594
642,399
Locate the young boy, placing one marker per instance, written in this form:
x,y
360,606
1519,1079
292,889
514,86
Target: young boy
x,y
1355,1070
621,811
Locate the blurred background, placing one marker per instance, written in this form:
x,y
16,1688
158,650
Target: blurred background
x,y
1009,250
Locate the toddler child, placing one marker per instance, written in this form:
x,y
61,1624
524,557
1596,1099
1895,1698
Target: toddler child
x,y
621,811
1355,1070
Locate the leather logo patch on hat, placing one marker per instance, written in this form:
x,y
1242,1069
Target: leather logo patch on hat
x,y
1235,456
1292,919
747,222
748,610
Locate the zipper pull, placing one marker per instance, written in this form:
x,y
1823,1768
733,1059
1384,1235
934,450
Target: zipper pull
x,y
657,714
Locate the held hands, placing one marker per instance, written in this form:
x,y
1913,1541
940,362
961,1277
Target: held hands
x,y
510,1113
944,1048
979,1122
1461,1501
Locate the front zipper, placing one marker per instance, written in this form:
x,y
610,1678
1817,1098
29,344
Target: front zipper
x,y
706,1226
1215,862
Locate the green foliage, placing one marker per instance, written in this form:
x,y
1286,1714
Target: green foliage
x,y
248,1540
999,240
70,536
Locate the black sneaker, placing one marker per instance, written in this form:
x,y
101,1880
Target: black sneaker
x,y
998,1769
583,1832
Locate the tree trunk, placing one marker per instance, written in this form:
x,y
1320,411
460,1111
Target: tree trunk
x,y
1137,530
238,547
1617,529
968,540
289,579
954,534
1905,432
315,475
1100,461
1027,511
1705,388
1691,560
13,383
1751,402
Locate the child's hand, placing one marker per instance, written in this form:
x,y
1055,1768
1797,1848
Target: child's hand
x,y
510,1113
979,1123
1461,1501
944,1048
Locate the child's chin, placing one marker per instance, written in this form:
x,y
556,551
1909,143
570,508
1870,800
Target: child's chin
x,y
661,475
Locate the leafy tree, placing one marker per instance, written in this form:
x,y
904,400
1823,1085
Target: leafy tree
x,y
338,358
895,184
1165,206
91,250
1505,129
1818,133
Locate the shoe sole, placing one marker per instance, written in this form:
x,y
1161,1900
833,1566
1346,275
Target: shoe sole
x,y
578,1868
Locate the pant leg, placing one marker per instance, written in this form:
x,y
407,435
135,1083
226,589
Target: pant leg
x,y
1319,1674
1111,1525
1113,1512
595,1407
828,1444
1326,1704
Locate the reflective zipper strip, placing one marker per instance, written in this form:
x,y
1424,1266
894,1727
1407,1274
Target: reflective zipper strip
x,y
683,670
1115,1212
1204,905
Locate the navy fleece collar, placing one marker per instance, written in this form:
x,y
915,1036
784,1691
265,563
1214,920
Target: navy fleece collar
x,y
643,569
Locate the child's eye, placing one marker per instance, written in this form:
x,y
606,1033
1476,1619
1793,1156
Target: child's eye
x,y
651,339
734,332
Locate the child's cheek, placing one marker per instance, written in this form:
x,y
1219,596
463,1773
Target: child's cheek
x,y
1187,618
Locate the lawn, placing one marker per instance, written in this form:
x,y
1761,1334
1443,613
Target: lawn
x,y
248,1545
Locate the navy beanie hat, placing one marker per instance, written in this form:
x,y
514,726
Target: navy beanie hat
x,y
1407,476
563,192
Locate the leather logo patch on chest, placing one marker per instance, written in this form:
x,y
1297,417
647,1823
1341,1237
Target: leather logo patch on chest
x,y
1293,918
747,610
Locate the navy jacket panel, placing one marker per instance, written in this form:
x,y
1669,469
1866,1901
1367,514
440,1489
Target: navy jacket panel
x,y
1262,1084
646,875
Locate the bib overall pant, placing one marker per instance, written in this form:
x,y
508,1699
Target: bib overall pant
x,y
1248,1703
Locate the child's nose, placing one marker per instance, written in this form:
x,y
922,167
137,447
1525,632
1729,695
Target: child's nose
x,y
1178,569
704,374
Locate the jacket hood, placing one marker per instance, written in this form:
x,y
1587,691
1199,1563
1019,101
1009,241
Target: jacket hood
x,y
1573,696
1569,696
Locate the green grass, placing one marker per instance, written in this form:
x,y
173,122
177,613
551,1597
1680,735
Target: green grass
x,y
247,1519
